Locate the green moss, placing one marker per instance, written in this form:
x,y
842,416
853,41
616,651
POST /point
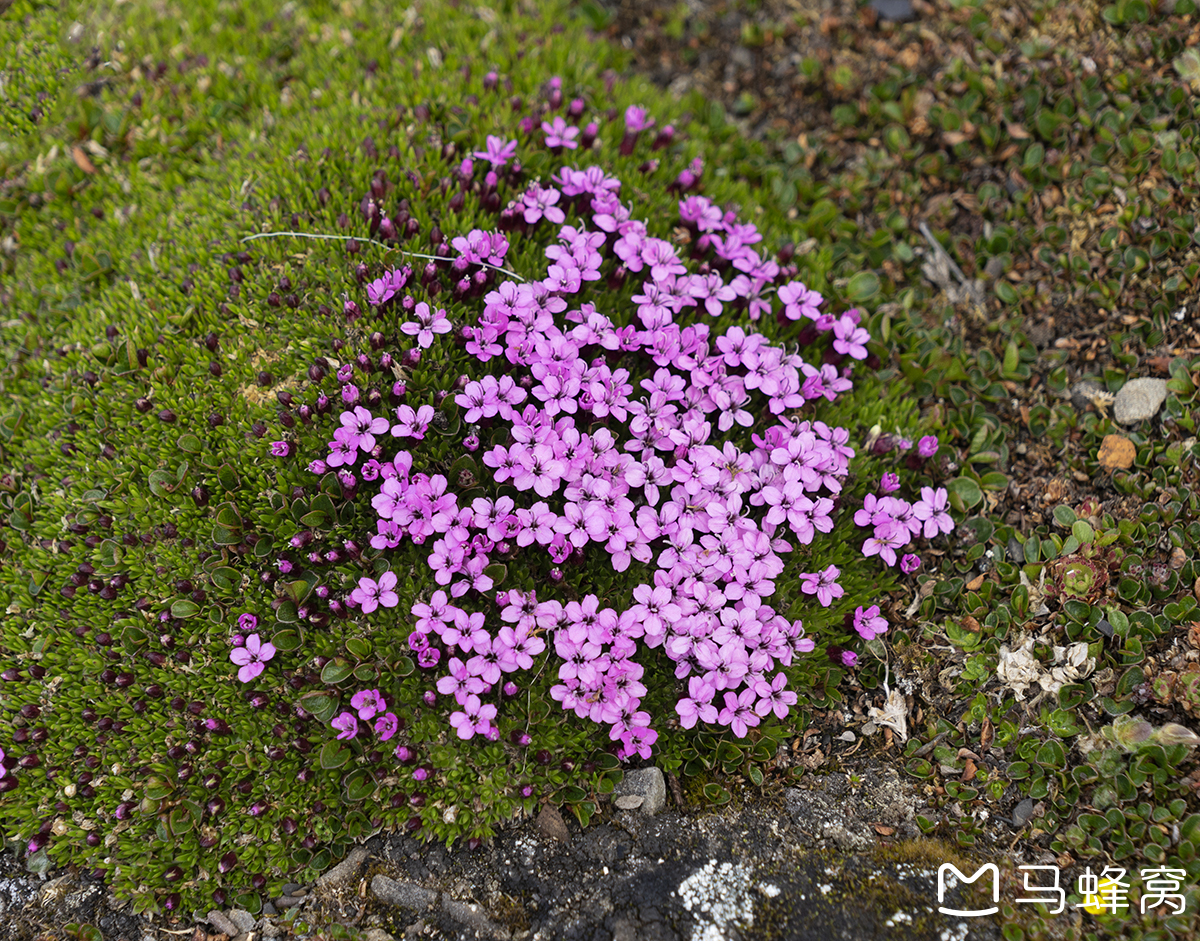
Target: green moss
x,y
138,457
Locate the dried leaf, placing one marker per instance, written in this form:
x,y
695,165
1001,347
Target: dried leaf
x,y
81,160
1017,132
883,830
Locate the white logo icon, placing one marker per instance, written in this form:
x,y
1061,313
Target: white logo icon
x,y
978,913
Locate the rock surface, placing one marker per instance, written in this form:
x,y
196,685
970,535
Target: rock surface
x,y
831,858
644,790
1139,399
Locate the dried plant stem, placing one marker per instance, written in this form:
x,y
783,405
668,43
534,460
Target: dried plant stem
x,y
354,238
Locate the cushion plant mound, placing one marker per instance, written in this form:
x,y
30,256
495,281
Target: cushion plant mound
x,y
524,457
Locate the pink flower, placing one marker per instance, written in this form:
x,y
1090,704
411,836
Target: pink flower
x,y
824,585
386,726
636,120
247,622
927,446
739,713
368,702
559,134
889,483
347,725
252,657
849,658
474,717
427,323
371,594
498,152
868,622
931,509
909,563
382,290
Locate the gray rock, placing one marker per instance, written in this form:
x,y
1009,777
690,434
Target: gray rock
x,y
646,783
473,918
242,918
222,924
377,934
346,870
1023,812
293,888
288,901
550,824
271,930
405,894
268,910
742,57
1139,399
898,11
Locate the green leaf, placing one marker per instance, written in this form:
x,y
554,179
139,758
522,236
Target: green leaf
x,y
964,493
162,483
994,480
321,705
715,794
314,520
497,572
225,577
1064,515
862,287
1188,67
359,784
183,608
359,647
297,590
158,789
336,671
228,516
287,641
333,755
1083,531
189,443
228,478
226,537
1012,357
180,821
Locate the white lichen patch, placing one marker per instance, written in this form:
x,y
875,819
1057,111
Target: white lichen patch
x,y
719,896
958,933
900,918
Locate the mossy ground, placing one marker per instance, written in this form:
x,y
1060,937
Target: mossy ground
x,y
141,143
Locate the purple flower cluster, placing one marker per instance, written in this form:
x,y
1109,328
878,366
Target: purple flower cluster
x,y
368,705
895,522
636,466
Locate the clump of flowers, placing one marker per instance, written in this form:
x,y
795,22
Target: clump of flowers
x,y
622,433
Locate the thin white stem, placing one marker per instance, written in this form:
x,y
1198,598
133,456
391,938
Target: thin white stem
x,y
354,238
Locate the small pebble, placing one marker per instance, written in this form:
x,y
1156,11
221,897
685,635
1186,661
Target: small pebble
x,y
896,11
1139,399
